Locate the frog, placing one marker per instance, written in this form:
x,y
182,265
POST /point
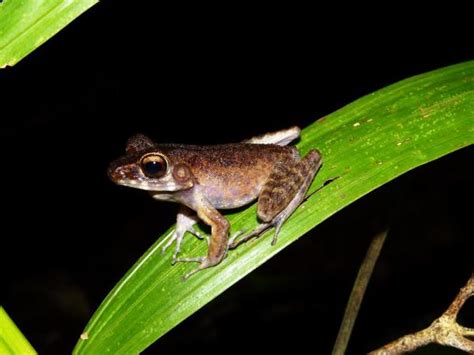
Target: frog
x,y
206,179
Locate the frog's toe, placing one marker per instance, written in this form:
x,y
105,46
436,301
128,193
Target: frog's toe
x,y
170,241
174,260
234,243
197,234
234,236
178,236
204,263
277,224
198,259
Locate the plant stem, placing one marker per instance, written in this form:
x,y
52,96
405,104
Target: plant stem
x,y
357,294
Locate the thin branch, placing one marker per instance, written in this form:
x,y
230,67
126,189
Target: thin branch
x,y
443,331
357,294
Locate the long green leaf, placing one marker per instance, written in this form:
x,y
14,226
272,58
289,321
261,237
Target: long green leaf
x,y
365,144
26,24
12,341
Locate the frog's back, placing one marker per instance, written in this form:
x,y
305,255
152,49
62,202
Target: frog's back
x,y
226,155
230,175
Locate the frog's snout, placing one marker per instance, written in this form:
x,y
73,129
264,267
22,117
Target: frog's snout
x,y
127,174
114,173
119,173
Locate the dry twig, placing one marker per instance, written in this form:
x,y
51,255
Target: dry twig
x,y
444,330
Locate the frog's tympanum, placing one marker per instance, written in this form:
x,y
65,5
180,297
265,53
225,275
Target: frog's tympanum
x,y
205,179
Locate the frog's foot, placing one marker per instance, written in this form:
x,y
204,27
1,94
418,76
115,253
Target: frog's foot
x,y
185,221
233,237
204,263
276,223
178,236
261,228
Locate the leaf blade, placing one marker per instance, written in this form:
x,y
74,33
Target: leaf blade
x,y
12,341
27,24
365,144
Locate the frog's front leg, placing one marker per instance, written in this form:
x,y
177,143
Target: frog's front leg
x,y
282,193
185,221
218,243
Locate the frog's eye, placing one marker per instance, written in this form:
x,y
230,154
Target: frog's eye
x,y
154,165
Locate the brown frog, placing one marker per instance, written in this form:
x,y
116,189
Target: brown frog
x,y
204,179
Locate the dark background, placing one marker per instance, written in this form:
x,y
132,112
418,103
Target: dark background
x,y
216,75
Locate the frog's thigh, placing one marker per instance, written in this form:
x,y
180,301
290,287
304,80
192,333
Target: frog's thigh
x,y
283,137
286,187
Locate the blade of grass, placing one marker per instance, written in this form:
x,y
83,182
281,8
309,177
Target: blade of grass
x,y
365,144
27,24
12,341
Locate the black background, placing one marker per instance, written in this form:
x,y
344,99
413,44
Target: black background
x,y
215,75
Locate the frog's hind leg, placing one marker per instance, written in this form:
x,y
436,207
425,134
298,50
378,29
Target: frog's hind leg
x,y
282,193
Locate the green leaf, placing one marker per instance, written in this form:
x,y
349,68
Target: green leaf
x,y
365,144
27,24
12,341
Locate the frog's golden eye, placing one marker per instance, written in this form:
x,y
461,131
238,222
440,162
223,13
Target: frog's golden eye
x,y
154,165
